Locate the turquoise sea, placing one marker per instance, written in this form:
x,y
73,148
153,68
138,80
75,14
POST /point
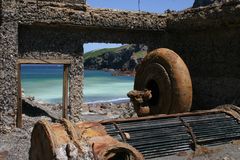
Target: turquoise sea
x,y
44,82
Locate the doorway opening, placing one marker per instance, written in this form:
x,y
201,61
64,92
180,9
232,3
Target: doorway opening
x,y
42,76
109,70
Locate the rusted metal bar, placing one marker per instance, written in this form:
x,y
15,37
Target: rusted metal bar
x,y
65,91
190,131
230,110
123,136
19,98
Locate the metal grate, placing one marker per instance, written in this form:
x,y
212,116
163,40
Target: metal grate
x,y
166,136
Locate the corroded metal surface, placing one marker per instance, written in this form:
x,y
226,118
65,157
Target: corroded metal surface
x,y
140,100
3,155
163,83
80,141
163,135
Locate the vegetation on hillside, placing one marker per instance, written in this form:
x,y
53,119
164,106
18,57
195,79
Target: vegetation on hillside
x,y
99,52
125,57
140,54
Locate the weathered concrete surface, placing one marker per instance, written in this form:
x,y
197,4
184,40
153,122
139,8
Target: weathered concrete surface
x,y
8,57
42,42
207,39
50,30
59,14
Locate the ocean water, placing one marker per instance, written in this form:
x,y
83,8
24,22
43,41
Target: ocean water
x,y
44,82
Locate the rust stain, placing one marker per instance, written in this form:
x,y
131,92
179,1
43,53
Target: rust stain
x,y
3,155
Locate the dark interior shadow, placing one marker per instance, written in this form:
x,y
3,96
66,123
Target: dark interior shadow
x,y
1,15
32,111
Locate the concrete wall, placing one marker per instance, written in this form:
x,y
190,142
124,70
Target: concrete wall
x,y
206,38
43,42
55,31
212,58
8,57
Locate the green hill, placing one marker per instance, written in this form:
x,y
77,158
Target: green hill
x,y
97,53
123,57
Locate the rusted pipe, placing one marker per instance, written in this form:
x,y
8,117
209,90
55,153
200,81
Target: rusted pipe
x,y
84,140
228,109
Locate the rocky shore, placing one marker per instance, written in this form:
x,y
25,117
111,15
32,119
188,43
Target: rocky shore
x,y
120,72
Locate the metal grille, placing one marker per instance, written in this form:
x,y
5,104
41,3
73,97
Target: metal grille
x,y
166,136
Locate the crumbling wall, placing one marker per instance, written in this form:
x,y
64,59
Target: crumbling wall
x,y
207,38
53,30
44,42
8,57
212,58
208,41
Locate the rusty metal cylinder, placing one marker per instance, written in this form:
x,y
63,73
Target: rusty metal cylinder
x,y
80,141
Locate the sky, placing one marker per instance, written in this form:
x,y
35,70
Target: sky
x,y
155,6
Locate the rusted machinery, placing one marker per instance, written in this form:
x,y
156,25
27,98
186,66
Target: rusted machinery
x,y
80,141
152,136
162,88
166,76
163,135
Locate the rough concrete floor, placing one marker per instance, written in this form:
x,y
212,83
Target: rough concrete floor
x,y
17,142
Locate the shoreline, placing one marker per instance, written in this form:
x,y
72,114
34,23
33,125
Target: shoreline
x,y
52,97
115,72
112,101
91,111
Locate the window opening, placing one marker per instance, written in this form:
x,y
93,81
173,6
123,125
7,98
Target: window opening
x,y
43,84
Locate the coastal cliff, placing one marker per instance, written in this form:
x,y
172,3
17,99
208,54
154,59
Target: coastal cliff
x,y
123,58
199,3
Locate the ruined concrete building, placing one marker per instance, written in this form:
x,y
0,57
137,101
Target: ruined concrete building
x,y
51,31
